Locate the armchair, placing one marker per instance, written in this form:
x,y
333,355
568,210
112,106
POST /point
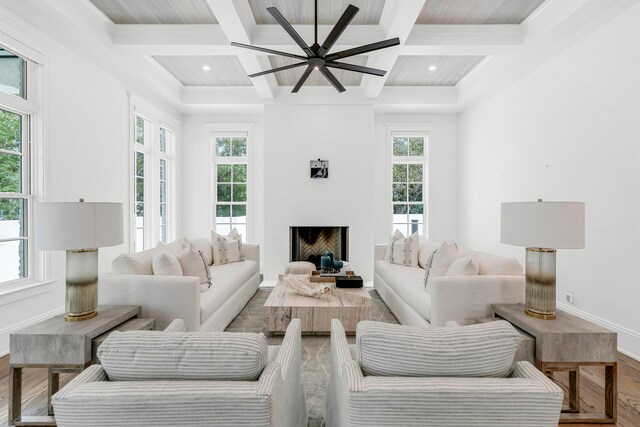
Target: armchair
x,y
525,397
176,394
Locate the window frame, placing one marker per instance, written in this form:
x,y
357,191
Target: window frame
x,y
33,154
156,120
237,130
409,131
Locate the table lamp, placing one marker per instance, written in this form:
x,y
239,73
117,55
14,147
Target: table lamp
x,y
79,228
542,227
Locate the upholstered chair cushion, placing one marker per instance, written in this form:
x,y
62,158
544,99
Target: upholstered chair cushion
x,y
155,355
483,350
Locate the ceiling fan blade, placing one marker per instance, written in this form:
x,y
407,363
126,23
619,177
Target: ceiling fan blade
x,y
265,50
275,70
338,29
332,79
290,30
363,49
356,68
304,77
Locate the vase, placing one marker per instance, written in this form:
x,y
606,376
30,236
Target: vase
x,y
330,254
337,264
325,262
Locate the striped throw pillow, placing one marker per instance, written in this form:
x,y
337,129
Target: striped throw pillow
x,y
156,355
483,350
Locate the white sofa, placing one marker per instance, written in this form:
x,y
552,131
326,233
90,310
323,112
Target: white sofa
x,y
458,298
214,379
165,298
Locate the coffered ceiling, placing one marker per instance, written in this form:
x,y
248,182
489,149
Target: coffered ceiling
x,y
442,42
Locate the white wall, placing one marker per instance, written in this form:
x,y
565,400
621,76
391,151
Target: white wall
x,y
570,130
442,179
197,174
87,149
295,135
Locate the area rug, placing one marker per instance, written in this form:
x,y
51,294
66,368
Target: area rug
x,y
315,349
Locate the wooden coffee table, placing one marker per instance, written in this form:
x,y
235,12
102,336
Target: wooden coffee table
x,y
350,306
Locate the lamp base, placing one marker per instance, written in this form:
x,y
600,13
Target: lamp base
x,y
72,317
540,286
81,291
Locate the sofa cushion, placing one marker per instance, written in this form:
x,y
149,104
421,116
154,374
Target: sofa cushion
x,y
194,263
226,280
154,355
404,250
166,264
204,246
493,264
137,264
483,350
426,251
463,266
227,249
407,283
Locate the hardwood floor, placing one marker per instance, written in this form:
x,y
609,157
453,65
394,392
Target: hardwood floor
x,y
591,391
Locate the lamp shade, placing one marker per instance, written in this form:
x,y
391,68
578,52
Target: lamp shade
x,y
77,225
553,225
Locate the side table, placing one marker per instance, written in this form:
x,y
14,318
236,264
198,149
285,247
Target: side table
x,y
62,346
565,344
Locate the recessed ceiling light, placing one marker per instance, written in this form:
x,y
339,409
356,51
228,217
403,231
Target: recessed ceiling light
x,y
206,67
433,68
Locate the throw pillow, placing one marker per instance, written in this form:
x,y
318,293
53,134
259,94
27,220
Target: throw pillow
x,y
395,236
404,251
425,254
193,263
442,259
227,249
463,266
500,266
136,264
165,264
173,248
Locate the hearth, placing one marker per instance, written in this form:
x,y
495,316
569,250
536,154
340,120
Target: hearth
x,y
310,243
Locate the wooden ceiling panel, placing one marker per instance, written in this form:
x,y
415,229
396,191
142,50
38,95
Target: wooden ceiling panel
x,y
299,12
156,11
223,70
414,70
455,12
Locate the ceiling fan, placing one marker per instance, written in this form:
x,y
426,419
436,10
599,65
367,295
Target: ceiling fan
x,y
317,56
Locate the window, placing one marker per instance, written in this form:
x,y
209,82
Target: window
x,y
231,174
167,139
153,180
15,170
141,151
408,187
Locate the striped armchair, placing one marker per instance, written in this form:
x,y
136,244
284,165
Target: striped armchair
x,y
369,391
219,379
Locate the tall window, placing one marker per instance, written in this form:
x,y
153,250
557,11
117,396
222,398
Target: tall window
x,y
231,182
142,149
409,182
15,170
153,175
167,139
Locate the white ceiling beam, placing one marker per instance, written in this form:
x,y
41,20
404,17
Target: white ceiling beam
x,y
397,19
189,40
443,96
237,24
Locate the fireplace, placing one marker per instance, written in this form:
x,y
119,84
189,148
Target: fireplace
x,y
310,243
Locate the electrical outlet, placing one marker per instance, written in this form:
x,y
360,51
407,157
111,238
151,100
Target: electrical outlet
x,y
571,296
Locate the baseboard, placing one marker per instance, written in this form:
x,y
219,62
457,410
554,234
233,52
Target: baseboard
x,y
5,332
628,339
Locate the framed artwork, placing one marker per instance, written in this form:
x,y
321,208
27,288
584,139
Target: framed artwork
x,y
319,168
